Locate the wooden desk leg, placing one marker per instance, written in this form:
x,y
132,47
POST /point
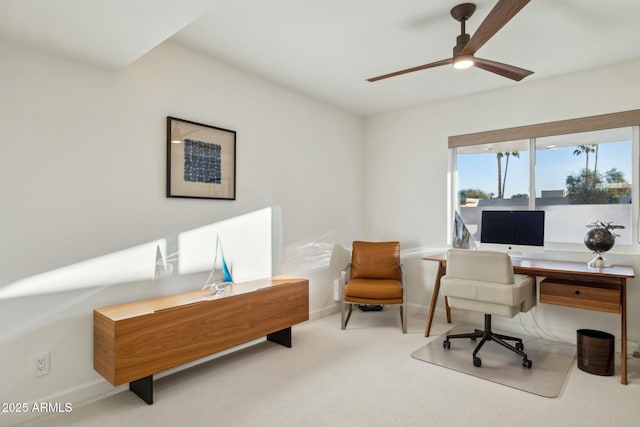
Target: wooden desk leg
x,y
623,347
434,299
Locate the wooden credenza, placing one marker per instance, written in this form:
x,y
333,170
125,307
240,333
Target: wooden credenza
x,y
133,341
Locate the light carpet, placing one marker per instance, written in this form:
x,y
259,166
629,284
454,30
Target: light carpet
x,y
551,361
363,376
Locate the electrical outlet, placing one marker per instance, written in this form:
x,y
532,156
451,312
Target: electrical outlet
x,y
41,365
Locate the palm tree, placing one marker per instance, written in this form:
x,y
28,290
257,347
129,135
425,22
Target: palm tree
x,y
515,154
586,149
595,162
499,157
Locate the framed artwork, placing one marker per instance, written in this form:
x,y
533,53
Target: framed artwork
x,y
201,160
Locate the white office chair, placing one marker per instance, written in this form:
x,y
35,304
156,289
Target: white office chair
x,y
483,281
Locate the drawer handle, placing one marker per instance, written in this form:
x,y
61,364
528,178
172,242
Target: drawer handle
x,y
577,292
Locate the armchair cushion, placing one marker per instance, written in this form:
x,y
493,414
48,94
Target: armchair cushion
x,y
376,260
373,289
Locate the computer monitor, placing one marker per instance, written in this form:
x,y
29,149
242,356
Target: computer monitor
x,y
514,232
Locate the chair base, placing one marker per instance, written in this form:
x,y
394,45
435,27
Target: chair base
x,y
369,307
488,335
344,321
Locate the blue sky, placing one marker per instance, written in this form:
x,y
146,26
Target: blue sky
x,y
552,167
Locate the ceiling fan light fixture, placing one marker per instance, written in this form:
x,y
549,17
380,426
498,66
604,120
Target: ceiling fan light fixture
x,y
463,61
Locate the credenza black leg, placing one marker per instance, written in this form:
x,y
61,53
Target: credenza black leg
x,y
282,337
143,388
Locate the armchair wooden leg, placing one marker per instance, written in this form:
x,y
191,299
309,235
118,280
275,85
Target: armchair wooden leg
x,y
403,318
342,317
348,315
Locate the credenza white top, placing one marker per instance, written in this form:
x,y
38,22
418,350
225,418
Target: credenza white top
x,y
152,305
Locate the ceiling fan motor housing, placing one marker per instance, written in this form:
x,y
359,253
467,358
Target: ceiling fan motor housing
x,y
461,13
461,42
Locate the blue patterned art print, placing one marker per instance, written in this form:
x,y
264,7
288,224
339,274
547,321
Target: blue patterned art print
x,y
202,162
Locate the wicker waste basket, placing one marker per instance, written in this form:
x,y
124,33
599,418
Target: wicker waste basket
x,y
595,351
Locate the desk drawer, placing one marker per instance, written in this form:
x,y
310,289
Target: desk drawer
x,y
580,295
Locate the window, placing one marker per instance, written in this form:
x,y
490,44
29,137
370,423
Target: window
x,y
584,177
491,177
577,178
494,171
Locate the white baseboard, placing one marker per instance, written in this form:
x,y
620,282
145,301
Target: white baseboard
x,y
324,311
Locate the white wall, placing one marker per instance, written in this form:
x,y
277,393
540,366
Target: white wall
x,y
82,175
406,173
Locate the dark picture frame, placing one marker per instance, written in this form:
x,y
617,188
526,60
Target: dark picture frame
x,y
201,160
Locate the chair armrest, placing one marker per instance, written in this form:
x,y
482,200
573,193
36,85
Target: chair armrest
x,y
505,294
526,289
345,275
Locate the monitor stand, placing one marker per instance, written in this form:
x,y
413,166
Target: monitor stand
x,y
515,255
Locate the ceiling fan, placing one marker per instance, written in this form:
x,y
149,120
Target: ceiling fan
x,y
466,46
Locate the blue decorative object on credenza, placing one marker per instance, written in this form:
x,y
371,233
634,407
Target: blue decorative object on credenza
x,y
220,278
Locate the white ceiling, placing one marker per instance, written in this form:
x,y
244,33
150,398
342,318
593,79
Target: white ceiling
x,y
327,48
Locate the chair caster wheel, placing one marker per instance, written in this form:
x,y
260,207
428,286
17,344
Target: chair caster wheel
x,y
526,363
446,344
519,346
477,362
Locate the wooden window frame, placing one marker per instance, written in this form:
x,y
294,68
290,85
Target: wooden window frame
x,y
562,127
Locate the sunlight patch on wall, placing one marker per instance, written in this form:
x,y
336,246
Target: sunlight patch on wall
x,y
128,265
245,239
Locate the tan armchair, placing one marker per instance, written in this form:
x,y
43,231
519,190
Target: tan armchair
x,y
483,281
374,277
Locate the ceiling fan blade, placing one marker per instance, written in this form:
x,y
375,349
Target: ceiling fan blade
x,y
505,70
411,70
502,13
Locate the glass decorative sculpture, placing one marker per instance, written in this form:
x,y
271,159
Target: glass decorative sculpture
x,y
220,278
160,268
600,239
